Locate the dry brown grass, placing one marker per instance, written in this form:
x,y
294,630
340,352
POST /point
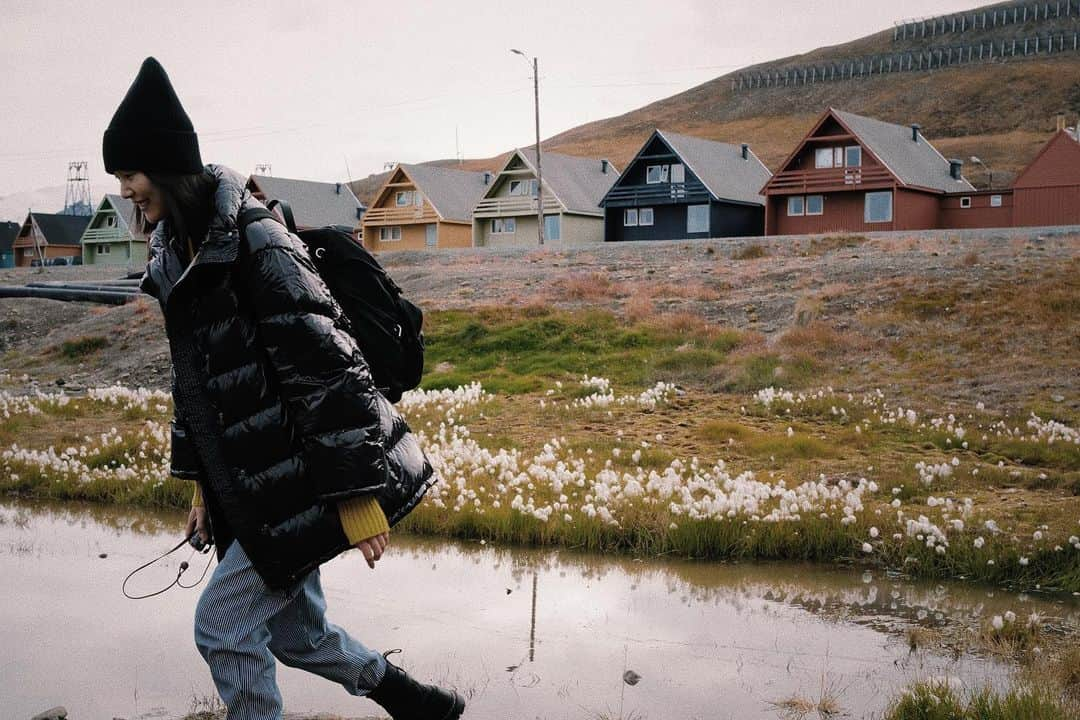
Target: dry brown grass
x,y
817,339
750,252
593,287
638,307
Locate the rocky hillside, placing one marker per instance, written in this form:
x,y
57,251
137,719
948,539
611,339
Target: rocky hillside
x,y
1001,109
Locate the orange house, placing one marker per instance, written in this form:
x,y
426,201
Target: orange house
x,y
44,237
424,207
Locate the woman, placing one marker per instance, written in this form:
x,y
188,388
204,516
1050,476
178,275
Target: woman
x,y
295,454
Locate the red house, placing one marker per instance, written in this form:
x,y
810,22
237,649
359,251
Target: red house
x,y
1047,191
856,174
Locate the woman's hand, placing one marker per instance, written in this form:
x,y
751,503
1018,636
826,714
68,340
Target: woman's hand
x,y
373,548
196,522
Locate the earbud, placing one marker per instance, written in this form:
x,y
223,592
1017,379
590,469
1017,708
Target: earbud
x,y
183,565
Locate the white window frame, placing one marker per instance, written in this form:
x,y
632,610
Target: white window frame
x,y
390,233
858,150
661,174
630,217
866,207
557,235
806,204
678,173
692,208
503,226
802,206
418,198
646,216
403,198
995,201
819,158
965,202
110,221
838,156
515,187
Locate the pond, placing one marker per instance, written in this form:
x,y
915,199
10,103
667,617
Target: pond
x,y
523,633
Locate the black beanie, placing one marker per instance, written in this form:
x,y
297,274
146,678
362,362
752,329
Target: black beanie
x,y
150,130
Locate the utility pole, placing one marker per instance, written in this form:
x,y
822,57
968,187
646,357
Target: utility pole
x,y
539,171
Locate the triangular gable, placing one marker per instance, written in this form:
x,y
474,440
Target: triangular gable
x,y
825,126
400,175
520,161
649,148
1056,163
108,204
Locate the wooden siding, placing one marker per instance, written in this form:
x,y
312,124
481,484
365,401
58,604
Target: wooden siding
x,y
574,230
1046,206
842,212
414,237
914,210
25,254
980,214
669,223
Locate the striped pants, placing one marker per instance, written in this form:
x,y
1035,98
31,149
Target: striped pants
x,y
241,626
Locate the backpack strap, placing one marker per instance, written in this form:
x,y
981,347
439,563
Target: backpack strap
x,y
286,212
246,217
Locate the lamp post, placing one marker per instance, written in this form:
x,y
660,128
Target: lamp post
x,y
539,172
989,172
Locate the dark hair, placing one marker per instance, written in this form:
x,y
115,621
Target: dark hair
x,y
189,204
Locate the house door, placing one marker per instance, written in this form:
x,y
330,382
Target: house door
x,y
431,235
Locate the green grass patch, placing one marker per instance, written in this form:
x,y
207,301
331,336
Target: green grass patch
x,y
82,346
799,446
938,701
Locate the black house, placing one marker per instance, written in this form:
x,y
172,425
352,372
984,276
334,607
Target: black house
x,y
679,187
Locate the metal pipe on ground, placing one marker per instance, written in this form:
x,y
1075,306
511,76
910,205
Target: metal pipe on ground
x,y
103,297
85,286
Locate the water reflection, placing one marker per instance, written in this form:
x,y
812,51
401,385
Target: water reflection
x,y
524,633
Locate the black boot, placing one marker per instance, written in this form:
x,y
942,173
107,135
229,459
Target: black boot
x,y
406,699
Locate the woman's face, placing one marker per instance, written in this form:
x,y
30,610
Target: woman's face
x,y
138,188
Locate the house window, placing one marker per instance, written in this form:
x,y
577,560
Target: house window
x,y
553,227
965,202
995,201
523,187
110,221
796,205
503,226
878,208
418,199
823,158
815,204
390,233
630,217
104,249
697,219
656,174
403,198
853,156
678,174
645,216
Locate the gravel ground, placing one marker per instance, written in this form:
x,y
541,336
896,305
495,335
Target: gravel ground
x,y
837,277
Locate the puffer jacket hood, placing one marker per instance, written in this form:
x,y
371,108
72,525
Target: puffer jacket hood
x,y
276,412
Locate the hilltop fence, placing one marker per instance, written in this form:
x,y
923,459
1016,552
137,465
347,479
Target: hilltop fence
x,y
1018,13
930,58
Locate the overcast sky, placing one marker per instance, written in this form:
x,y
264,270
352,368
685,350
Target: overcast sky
x,y
325,89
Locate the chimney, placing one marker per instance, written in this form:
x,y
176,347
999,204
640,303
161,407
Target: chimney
x,y
745,151
337,188
915,128
956,169
1061,121
604,166
487,177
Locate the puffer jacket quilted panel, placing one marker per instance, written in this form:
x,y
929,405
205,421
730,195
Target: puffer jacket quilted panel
x,y
280,415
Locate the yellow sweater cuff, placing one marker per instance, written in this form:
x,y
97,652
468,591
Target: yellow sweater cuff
x,y
196,499
362,518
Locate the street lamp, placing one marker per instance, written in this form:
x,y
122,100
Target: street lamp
x,y
539,173
989,172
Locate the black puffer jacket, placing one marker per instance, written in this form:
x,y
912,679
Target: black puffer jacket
x,y
276,412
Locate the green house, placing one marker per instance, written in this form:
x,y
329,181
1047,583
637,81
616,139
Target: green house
x,y
111,237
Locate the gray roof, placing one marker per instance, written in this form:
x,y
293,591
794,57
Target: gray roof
x,y
125,211
720,166
453,193
62,229
314,204
579,183
914,163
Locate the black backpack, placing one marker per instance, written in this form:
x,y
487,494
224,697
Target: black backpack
x,y
387,327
